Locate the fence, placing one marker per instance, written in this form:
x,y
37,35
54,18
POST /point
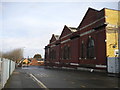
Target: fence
x,y
6,69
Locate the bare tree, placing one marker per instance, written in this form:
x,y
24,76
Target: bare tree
x,y
37,56
15,55
0,54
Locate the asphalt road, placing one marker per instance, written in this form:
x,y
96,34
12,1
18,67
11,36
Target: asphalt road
x,y
57,78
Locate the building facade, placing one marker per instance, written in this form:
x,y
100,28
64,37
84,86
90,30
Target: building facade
x,y
91,44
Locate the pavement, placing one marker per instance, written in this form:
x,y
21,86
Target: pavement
x,y
20,80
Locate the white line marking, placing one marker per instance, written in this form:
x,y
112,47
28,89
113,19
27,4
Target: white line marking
x,y
39,82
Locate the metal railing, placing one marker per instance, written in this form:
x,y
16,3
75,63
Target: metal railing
x,y
6,69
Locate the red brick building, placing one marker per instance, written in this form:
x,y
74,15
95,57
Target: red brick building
x,y
83,46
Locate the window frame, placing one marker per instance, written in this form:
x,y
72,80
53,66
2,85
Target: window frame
x,y
91,48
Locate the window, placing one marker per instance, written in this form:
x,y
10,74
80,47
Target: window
x,y
82,50
90,48
66,52
69,52
61,54
52,54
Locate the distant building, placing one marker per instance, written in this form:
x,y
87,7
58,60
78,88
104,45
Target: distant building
x,y
91,44
36,62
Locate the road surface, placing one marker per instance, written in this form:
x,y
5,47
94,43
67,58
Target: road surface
x,y
57,78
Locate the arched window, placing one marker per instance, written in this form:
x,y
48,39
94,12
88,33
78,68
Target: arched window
x,y
90,48
69,52
61,53
52,54
52,51
66,52
82,50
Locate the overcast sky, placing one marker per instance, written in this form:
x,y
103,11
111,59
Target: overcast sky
x,y
29,25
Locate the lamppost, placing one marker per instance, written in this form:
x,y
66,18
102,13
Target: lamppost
x,y
23,51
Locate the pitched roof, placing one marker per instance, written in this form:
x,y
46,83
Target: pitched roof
x,y
67,30
57,37
54,38
73,29
90,13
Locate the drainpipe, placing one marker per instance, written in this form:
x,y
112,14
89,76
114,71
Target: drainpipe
x,y
119,49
